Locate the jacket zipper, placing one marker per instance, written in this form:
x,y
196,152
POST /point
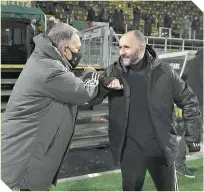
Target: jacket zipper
x,y
68,147
149,74
128,106
150,109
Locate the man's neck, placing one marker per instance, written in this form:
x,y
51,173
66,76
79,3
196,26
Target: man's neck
x,y
138,66
138,59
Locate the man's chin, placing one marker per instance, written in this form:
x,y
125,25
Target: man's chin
x,y
126,63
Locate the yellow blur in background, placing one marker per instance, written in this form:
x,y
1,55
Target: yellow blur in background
x,y
177,111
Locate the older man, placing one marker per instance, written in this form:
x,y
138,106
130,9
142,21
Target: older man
x,y
142,92
38,124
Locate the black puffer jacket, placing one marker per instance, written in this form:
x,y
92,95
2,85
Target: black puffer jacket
x,y
164,88
195,75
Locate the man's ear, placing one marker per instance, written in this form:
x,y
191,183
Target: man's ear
x,y
66,52
142,48
64,49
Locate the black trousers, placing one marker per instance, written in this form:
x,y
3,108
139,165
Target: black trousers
x,y
30,49
181,157
134,166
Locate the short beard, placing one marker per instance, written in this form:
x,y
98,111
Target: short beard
x,y
135,60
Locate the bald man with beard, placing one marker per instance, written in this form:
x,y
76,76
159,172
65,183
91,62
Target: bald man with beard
x,y
141,91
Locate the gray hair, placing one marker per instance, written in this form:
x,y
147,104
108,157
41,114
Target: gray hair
x,y
62,33
140,37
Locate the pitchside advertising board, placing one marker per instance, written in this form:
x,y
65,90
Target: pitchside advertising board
x,y
176,60
21,3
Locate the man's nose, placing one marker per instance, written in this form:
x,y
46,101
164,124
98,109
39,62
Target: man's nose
x,y
122,52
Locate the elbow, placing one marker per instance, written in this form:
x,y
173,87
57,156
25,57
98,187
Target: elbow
x,y
81,101
86,97
194,129
95,101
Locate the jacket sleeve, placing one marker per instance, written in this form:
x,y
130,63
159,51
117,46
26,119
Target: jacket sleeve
x,y
200,68
185,98
63,86
104,80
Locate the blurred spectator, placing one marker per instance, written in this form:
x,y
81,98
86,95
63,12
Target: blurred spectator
x,y
154,19
68,9
71,19
136,17
31,31
185,26
160,22
167,21
91,15
58,10
50,11
173,16
175,30
104,15
118,20
158,8
82,4
196,27
149,20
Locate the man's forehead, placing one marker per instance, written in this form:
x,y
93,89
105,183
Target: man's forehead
x,y
75,41
127,39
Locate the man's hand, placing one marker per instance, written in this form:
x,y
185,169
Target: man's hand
x,y
115,84
89,69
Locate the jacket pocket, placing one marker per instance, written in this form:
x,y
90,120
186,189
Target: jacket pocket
x,y
52,142
174,141
172,154
172,149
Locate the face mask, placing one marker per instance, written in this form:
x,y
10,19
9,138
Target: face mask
x,y
76,57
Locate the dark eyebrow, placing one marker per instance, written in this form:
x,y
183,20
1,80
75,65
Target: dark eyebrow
x,y
125,46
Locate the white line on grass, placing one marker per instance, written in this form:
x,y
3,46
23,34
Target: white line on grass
x,y
188,158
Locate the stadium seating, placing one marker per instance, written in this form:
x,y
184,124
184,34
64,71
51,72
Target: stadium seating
x,y
79,10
